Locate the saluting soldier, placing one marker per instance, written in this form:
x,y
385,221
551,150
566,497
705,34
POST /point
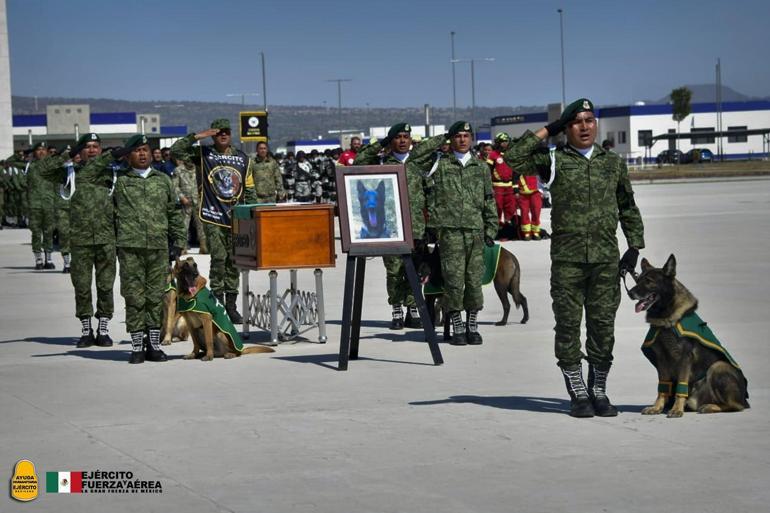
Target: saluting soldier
x,y
186,187
590,193
63,221
462,212
265,178
397,148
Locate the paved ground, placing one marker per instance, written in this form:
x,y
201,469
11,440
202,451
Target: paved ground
x,y
486,432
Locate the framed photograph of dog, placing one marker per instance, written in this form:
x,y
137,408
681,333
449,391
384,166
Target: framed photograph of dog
x,y
374,210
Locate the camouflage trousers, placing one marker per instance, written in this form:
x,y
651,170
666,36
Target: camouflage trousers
x,y
223,276
86,260
42,222
399,291
63,227
190,213
595,288
142,283
462,265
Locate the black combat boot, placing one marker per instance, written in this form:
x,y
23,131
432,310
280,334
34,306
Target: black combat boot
x,y
154,352
38,261
458,329
232,312
48,262
87,334
413,318
397,318
137,355
580,402
473,336
597,391
102,333
66,268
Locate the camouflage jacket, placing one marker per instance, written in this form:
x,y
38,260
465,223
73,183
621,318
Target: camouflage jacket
x,y
184,149
460,196
421,156
185,183
91,210
41,193
266,180
589,197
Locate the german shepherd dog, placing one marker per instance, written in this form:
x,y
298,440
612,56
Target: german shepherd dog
x,y
372,208
208,340
506,282
711,383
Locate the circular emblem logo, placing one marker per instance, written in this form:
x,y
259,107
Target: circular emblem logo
x,y
253,121
226,183
499,160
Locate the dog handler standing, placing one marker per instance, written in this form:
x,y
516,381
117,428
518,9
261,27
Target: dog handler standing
x,y
590,193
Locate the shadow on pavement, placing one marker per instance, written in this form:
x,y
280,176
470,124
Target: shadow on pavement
x,y
57,341
330,360
513,402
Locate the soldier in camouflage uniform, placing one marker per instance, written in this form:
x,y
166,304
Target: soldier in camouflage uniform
x,y
4,180
186,187
591,192
462,212
265,177
63,225
92,229
396,148
223,275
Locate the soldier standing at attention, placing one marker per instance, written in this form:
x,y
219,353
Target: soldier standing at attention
x,y
398,149
461,209
223,171
92,229
186,187
591,192
63,222
265,178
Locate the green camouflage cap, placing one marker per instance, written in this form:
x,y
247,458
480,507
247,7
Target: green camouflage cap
x,y
41,144
135,141
221,124
575,108
502,136
398,128
460,126
86,138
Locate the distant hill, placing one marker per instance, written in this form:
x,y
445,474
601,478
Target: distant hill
x,y
285,122
706,93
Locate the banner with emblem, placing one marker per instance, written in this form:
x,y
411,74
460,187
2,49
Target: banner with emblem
x,y
221,184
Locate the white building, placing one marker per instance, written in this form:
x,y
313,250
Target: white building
x,y
629,127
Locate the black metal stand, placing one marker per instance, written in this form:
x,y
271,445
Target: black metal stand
x,y
355,270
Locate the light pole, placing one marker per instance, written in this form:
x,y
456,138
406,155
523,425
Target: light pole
x,y
264,83
561,31
454,85
473,80
339,99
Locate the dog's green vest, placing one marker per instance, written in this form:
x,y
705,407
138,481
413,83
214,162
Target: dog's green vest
x,y
491,258
204,302
690,326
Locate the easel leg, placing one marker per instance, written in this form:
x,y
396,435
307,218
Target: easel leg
x,y
347,310
427,322
245,300
358,299
273,308
319,294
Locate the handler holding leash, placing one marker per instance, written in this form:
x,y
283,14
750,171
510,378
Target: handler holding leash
x,y
590,191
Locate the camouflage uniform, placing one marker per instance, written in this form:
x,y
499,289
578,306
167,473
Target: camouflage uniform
x,y
5,179
266,180
589,197
185,184
42,204
63,225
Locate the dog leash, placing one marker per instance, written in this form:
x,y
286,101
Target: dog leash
x,y
634,275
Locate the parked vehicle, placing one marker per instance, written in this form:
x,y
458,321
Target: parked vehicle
x,y
669,157
697,155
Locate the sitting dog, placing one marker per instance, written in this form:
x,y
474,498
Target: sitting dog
x,y
506,280
372,208
213,334
174,328
694,370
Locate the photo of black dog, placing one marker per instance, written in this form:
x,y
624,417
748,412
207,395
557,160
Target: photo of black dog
x,y
372,209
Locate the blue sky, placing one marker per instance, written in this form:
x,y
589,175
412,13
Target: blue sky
x,y
396,52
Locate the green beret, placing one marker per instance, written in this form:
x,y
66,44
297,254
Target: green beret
x,y
135,141
86,138
41,144
221,124
575,108
398,128
502,136
460,126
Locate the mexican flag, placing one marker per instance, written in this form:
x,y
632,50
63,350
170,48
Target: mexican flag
x,y
64,482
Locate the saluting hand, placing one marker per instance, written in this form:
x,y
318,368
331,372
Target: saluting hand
x,y
211,132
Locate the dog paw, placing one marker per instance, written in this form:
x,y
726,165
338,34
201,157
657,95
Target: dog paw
x,y
709,408
500,323
207,358
675,414
651,410
227,356
190,356
165,342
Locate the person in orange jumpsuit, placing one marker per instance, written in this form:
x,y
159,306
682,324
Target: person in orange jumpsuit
x,y
530,202
502,181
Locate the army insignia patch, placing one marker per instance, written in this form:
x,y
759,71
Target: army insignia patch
x,y
467,126
586,105
407,128
94,137
144,139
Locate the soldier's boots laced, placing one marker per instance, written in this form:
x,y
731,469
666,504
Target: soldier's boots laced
x,y
413,318
473,336
580,402
137,355
597,391
397,318
86,333
48,261
38,261
154,352
232,312
66,268
103,334
458,329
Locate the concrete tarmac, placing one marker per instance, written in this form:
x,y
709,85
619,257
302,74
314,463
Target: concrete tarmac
x,y
485,432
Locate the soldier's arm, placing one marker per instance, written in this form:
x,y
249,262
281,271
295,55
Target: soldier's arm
x,y
250,184
628,212
183,149
97,170
416,195
527,158
15,161
489,210
369,155
424,153
52,169
278,179
176,231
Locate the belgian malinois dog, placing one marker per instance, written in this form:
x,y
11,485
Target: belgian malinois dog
x,y
506,282
174,328
694,371
209,340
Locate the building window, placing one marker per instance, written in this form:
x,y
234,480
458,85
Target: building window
x,y
645,137
737,138
80,111
67,111
611,136
154,119
56,111
621,137
709,139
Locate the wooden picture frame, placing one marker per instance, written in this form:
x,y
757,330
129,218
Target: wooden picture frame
x,y
374,213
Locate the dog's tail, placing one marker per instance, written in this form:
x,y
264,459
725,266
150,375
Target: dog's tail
x,y
257,349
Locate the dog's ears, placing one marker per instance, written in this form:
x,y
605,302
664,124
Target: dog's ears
x,y
381,187
646,264
670,268
361,188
